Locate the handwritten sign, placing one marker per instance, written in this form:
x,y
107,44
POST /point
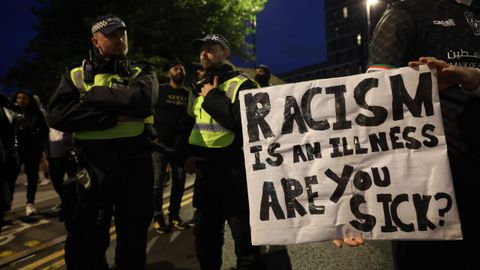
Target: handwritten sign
x,y
363,155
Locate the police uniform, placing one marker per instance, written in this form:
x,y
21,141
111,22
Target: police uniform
x,y
448,30
117,155
217,136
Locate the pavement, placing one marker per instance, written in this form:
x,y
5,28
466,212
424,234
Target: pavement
x,y
37,243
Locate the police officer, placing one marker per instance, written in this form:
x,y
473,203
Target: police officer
x,y
215,152
105,103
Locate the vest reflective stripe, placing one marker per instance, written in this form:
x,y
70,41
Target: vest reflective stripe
x,y
234,85
210,127
122,129
207,132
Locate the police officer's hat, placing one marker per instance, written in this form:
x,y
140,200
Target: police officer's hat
x,y
212,38
106,24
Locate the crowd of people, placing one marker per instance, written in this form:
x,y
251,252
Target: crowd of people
x,y
126,130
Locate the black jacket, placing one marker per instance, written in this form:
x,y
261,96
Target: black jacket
x,y
99,108
220,107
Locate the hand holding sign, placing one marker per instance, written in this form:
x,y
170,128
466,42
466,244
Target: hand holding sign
x,y
362,156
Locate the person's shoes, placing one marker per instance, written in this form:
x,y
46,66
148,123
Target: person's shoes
x,y
160,226
194,220
30,209
44,181
56,208
178,223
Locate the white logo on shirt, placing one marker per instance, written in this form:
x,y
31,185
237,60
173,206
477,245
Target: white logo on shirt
x,y
445,23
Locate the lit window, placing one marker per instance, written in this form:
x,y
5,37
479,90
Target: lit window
x,y
359,39
345,12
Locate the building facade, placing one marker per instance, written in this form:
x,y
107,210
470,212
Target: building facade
x,y
347,34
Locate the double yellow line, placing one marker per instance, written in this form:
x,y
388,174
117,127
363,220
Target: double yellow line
x,y
186,199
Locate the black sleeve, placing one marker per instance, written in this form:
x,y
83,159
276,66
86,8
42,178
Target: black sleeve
x,y
67,114
221,108
182,148
135,99
393,43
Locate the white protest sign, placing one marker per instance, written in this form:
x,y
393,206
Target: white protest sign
x,y
354,156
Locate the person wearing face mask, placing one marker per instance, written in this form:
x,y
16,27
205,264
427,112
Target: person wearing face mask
x,y
262,75
107,103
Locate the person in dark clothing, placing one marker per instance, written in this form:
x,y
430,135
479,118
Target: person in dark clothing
x,y
215,152
32,132
170,108
107,104
448,30
8,158
262,75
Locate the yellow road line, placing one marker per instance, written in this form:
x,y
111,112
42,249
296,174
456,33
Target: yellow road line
x,y
56,265
185,202
186,199
43,260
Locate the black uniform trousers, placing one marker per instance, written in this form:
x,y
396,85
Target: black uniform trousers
x,y
58,167
122,187
223,197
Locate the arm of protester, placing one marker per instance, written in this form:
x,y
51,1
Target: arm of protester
x,y
448,75
352,242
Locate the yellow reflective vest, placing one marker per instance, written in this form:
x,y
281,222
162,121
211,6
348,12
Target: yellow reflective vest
x,y
122,129
207,132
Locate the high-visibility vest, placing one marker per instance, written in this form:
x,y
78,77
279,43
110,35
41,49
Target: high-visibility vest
x,y
207,132
121,129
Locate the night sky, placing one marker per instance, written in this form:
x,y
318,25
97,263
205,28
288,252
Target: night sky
x,y
290,34
16,26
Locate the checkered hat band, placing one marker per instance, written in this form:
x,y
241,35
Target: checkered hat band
x,y
99,25
106,22
220,40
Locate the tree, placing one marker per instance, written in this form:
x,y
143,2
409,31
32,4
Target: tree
x,y
158,30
